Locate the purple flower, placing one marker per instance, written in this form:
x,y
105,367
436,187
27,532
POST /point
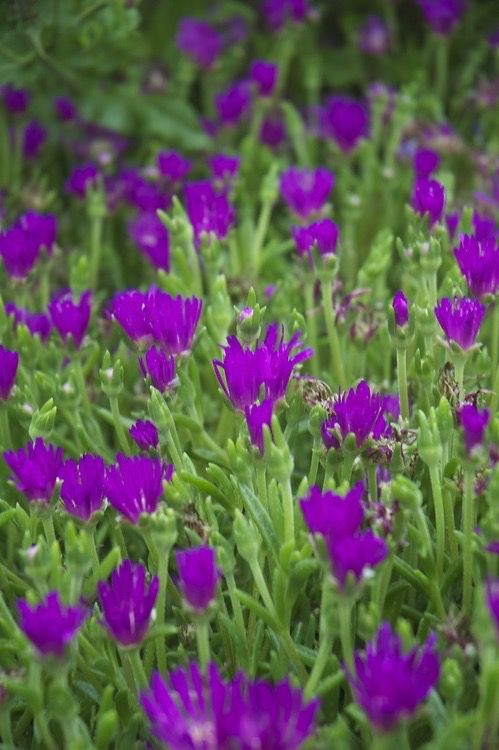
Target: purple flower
x,y
233,103
127,602
37,323
257,415
428,198
41,227
493,39
198,577
391,407
390,685
323,235
19,251
65,109
483,226
400,308
134,485
492,596
474,423
264,372
264,75
357,411
199,41
273,132
224,168
478,261
460,319
35,468
442,15
81,179
145,434
70,318
306,190
15,100
173,166
143,194
82,490
160,367
151,237
345,121
278,12
425,162
50,626
34,137
9,362
209,211
452,220
173,320
333,516
354,554
374,36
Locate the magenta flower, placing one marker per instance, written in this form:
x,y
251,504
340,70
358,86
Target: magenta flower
x,y
233,103
452,220
50,625
442,15
19,251
199,41
273,132
82,490
390,685
428,199
134,485
209,210
224,168
354,554
69,318
145,434
81,179
357,411
425,162
264,75
42,228
127,602
478,261
34,137
334,516
160,367
9,362
151,237
306,191
258,415
35,468
65,109
483,226
173,166
36,323
374,37
15,100
198,577
323,235
474,423
492,598
344,121
460,319
278,13
400,308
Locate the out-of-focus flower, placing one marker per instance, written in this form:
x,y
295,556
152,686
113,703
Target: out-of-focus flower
x,y
224,168
81,179
374,36
173,166
460,319
15,100
278,13
34,137
478,261
345,121
323,235
152,239
50,625
233,103
9,362
425,162
264,75
273,131
306,191
36,323
210,211
442,15
428,198
71,319
65,109
354,554
199,41
35,468
474,423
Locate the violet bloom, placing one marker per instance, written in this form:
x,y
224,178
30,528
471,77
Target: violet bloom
x,y
15,100
478,261
334,516
264,75
400,308
151,237
233,103
145,195
483,226
425,162
50,625
199,41
265,371
273,132
36,323
65,109
9,362
82,490
442,15
460,319
452,220
357,411
354,555
474,423
35,469
127,602
428,198
34,137
81,179
345,121
19,251
374,37
134,485
224,168
145,434
258,415
173,166
323,235
198,577
492,596
41,227
70,318
209,211
278,13
160,367
306,191
389,684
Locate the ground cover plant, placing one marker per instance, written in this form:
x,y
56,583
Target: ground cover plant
x,y
249,375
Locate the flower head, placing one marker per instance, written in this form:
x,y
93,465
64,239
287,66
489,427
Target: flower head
x,y
478,261
15,100
400,308
224,168
258,415
233,103
333,516
460,319
151,237
273,131
127,602
210,211
145,434
425,162
344,121
390,685
82,490
71,319
160,367
199,41
198,577
323,235
36,323
354,554
81,179
19,251
65,108
35,468
306,190
264,75
41,227
492,597
428,198
474,423
442,15
173,166
34,137
357,411
278,13
374,37
50,625
134,485
9,362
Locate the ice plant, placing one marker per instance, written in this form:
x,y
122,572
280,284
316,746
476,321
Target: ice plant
x,y
15,100
70,318
160,368
81,179
41,227
425,162
258,415
127,602
306,191
145,434
442,15
199,41
65,108
9,362
134,485
34,137
278,12
209,210
358,411
151,237
233,103
198,577
460,319
35,469
172,166
36,323
19,251
474,423
400,308
345,121
389,684
323,235
224,168
492,598
428,199
355,554
478,261
332,515
264,75
50,625
82,489
374,37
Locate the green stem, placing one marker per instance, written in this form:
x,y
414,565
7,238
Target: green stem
x,y
137,668
468,524
48,527
160,610
334,342
261,483
288,510
96,227
371,481
311,319
459,363
440,525
326,640
118,424
382,583
494,344
345,623
80,377
5,437
203,643
402,382
314,463
43,728
260,234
